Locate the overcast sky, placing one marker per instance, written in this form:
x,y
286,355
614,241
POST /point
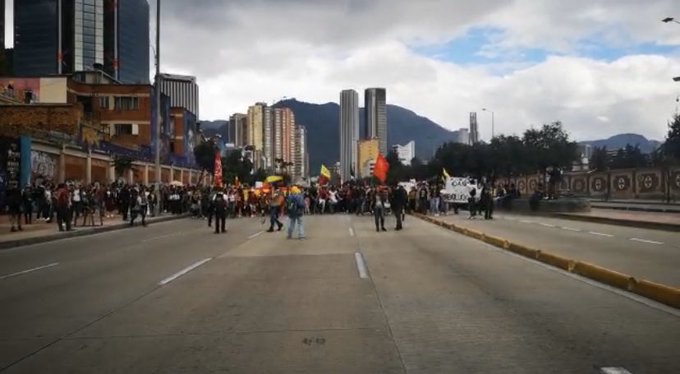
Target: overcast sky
x,y
600,66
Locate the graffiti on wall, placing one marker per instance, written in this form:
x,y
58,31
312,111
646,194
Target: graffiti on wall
x,y
43,166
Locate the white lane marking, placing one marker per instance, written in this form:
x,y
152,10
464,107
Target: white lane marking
x,y
29,270
600,234
525,221
361,265
183,271
631,296
570,229
255,235
546,224
614,370
646,241
351,231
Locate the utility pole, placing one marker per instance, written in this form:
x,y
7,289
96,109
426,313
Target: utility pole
x,y
157,92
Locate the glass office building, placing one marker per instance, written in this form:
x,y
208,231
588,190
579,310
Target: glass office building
x,y
126,40
64,36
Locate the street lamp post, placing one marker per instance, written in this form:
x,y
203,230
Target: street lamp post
x,y
493,125
157,91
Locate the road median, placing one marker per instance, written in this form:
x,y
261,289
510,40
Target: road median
x,y
658,292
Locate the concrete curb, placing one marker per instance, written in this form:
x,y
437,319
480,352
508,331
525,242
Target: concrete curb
x,y
621,222
635,208
658,292
82,232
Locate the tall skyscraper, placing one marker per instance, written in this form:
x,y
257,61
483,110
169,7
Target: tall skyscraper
x,y
237,132
474,132
284,134
182,90
126,40
349,133
64,36
256,126
300,167
376,116
463,136
268,137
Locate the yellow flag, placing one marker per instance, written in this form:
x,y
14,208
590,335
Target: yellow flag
x,y
446,174
273,178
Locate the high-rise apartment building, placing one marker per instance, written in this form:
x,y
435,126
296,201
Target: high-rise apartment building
x,y
300,156
284,134
463,136
256,125
368,152
405,152
474,131
64,36
376,116
268,137
237,131
182,90
349,133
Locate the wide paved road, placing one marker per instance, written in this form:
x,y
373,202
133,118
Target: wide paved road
x,y
644,253
175,298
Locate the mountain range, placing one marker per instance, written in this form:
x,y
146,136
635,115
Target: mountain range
x,y
322,124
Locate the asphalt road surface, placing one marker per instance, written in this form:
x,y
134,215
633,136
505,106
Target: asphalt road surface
x,y
643,253
176,298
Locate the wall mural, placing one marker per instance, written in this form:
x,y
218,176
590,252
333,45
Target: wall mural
x,y
43,166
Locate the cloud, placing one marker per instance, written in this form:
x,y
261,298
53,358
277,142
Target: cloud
x,y
245,51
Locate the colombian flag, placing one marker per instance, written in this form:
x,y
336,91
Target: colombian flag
x,y
324,176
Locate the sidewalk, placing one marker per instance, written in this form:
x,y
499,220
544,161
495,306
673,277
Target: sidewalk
x,y
648,220
40,231
637,205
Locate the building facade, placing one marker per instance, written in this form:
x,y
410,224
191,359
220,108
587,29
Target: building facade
x,y
405,152
463,136
349,133
368,153
126,40
256,126
182,90
300,166
64,36
375,104
237,132
284,134
474,130
268,137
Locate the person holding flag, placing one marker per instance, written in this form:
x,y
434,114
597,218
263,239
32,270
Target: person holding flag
x,y
324,175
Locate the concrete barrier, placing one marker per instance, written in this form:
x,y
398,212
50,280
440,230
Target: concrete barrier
x,y
606,276
659,292
664,294
555,260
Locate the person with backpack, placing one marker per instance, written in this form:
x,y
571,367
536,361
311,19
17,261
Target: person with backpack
x,y
295,206
220,206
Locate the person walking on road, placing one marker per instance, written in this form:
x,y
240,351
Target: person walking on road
x,y
378,203
399,200
220,208
275,205
295,206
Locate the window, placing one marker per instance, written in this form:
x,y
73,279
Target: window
x,y
126,129
104,102
126,103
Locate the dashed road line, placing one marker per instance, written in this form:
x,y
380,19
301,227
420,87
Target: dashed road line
x,y
546,224
351,231
525,221
183,271
361,265
600,234
646,241
29,270
614,370
255,235
570,229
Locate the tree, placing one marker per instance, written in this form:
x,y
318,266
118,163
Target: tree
x,y
121,164
599,160
204,153
671,147
549,147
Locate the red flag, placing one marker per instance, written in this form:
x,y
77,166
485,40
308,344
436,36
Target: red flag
x,y
380,168
218,169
